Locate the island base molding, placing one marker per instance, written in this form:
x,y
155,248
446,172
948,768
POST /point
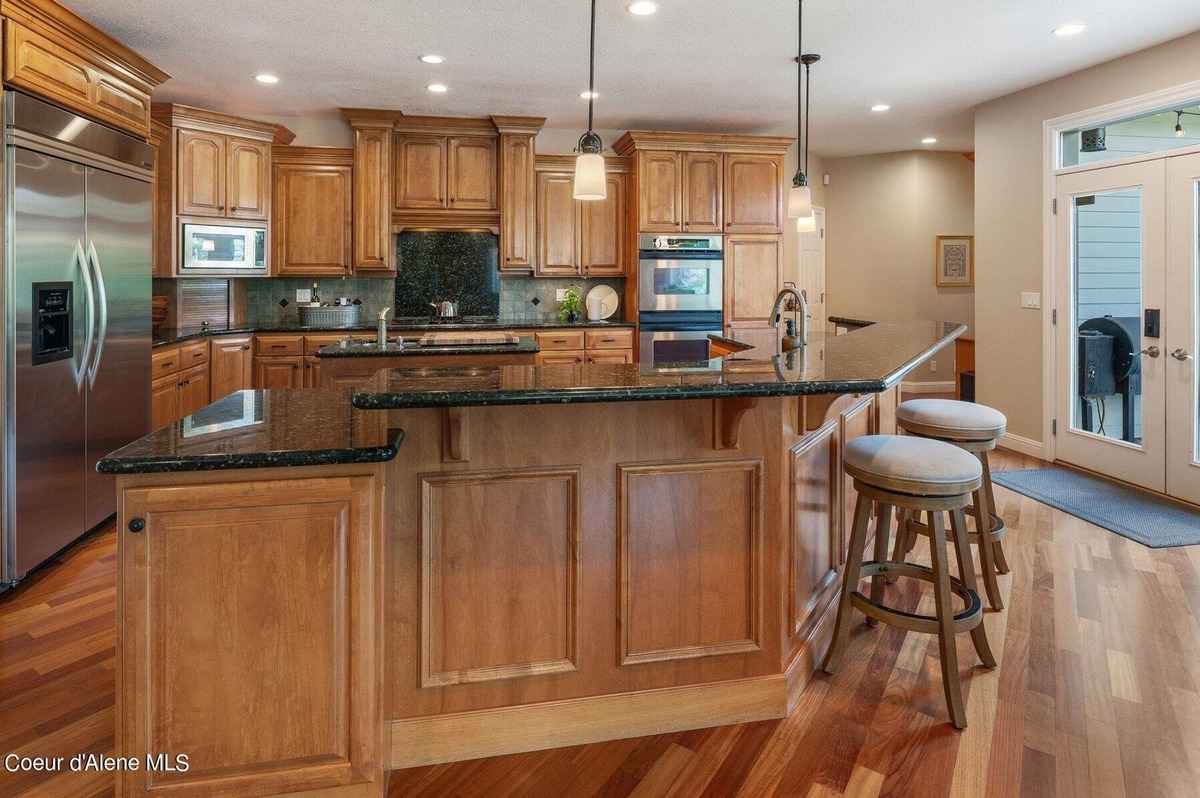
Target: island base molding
x,y
437,739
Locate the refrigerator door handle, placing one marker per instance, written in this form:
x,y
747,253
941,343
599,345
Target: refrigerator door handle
x,y
80,260
102,314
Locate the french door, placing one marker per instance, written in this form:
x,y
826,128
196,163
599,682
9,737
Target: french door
x,y
1182,343
1129,302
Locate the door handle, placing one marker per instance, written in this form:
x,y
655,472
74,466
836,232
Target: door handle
x,y
1151,351
90,300
102,304
1181,354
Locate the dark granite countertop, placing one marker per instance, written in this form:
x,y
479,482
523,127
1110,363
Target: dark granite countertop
x,y
527,345
846,321
868,360
165,337
261,429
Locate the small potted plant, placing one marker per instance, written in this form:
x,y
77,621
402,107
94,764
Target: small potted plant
x,y
571,306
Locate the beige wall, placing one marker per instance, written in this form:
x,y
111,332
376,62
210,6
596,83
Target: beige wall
x,y
1008,215
883,215
791,239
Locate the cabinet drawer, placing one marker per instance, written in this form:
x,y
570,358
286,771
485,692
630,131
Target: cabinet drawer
x,y
554,358
193,354
279,344
314,342
560,340
610,339
610,356
164,361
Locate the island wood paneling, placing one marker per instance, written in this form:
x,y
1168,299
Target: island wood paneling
x,y
689,542
857,420
499,575
814,537
241,602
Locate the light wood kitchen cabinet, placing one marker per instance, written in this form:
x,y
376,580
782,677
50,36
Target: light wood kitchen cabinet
x,y
613,356
312,372
232,365
54,54
248,178
471,172
372,205
311,211
518,199
164,401
160,250
568,357
194,390
420,171
753,271
576,237
602,232
202,173
445,172
279,373
296,622
660,187
557,225
703,176
753,194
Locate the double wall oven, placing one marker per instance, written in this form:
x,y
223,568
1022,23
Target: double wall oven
x,y
680,296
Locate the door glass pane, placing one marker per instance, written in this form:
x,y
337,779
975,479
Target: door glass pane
x,y
1107,305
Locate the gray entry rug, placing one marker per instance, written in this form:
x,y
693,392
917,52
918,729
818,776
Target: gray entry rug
x,y
1151,521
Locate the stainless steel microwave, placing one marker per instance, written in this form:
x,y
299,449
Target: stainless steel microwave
x,y
211,249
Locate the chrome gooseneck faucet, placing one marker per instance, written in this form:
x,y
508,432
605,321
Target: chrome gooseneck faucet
x,y
789,299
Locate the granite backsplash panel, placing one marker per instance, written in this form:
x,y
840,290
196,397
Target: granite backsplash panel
x,y
432,266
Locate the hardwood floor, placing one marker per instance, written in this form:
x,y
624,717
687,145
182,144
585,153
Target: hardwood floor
x,y
1097,693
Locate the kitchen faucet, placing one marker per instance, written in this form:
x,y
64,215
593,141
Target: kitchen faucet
x,y
792,300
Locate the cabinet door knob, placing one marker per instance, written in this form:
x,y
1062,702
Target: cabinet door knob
x,y
137,524
246,348
233,208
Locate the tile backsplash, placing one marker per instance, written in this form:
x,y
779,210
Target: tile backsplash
x,y
517,295
263,295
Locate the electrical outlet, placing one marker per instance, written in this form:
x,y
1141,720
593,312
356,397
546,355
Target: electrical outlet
x,y
933,366
1031,300
560,294
303,295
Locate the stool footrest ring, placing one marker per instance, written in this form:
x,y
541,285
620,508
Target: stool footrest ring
x,y
998,528
964,621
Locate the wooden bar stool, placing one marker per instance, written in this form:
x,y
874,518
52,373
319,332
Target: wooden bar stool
x,y
977,429
914,475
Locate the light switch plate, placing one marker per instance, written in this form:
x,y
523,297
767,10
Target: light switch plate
x,y
1031,299
303,295
560,294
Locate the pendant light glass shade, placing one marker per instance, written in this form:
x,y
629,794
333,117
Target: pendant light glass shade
x,y
806,224
591,184
799,202
590,181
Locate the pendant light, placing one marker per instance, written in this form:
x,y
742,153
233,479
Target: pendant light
x,y
590,180
800,196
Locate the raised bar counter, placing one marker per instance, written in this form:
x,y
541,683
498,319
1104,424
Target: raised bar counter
x,y
641,549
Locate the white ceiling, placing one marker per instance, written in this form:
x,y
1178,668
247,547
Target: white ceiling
x,y
696,65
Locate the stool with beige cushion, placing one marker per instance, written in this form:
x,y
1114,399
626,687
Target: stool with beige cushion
x,y
894,472
977,429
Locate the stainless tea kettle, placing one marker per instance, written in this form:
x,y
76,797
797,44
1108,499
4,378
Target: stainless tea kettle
x,y
445,309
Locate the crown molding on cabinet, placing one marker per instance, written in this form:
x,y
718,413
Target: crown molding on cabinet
x,y
177,115
635,140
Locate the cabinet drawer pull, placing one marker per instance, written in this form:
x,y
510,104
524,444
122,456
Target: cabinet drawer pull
x,y
137,524
279,346
246,348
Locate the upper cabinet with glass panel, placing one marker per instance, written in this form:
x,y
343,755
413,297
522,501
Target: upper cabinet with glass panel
x,y
1159,131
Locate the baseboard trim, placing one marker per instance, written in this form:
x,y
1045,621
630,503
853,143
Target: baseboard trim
x,y
946,386
436,739
1021,445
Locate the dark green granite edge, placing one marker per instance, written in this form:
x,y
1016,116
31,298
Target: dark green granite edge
x,y
903,371
116,464
566,396
526,346
502,324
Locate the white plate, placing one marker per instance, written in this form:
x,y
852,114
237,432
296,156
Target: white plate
x,y
602,301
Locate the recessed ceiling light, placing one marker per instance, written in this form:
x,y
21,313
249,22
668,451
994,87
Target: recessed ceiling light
x,y
879,108
588,95
642,8
433,59
438,88
929,140
266,77
1070,29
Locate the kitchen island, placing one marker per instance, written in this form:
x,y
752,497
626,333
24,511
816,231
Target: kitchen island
x,y
487,560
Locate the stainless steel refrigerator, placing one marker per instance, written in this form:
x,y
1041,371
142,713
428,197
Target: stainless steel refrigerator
x,y
77,288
